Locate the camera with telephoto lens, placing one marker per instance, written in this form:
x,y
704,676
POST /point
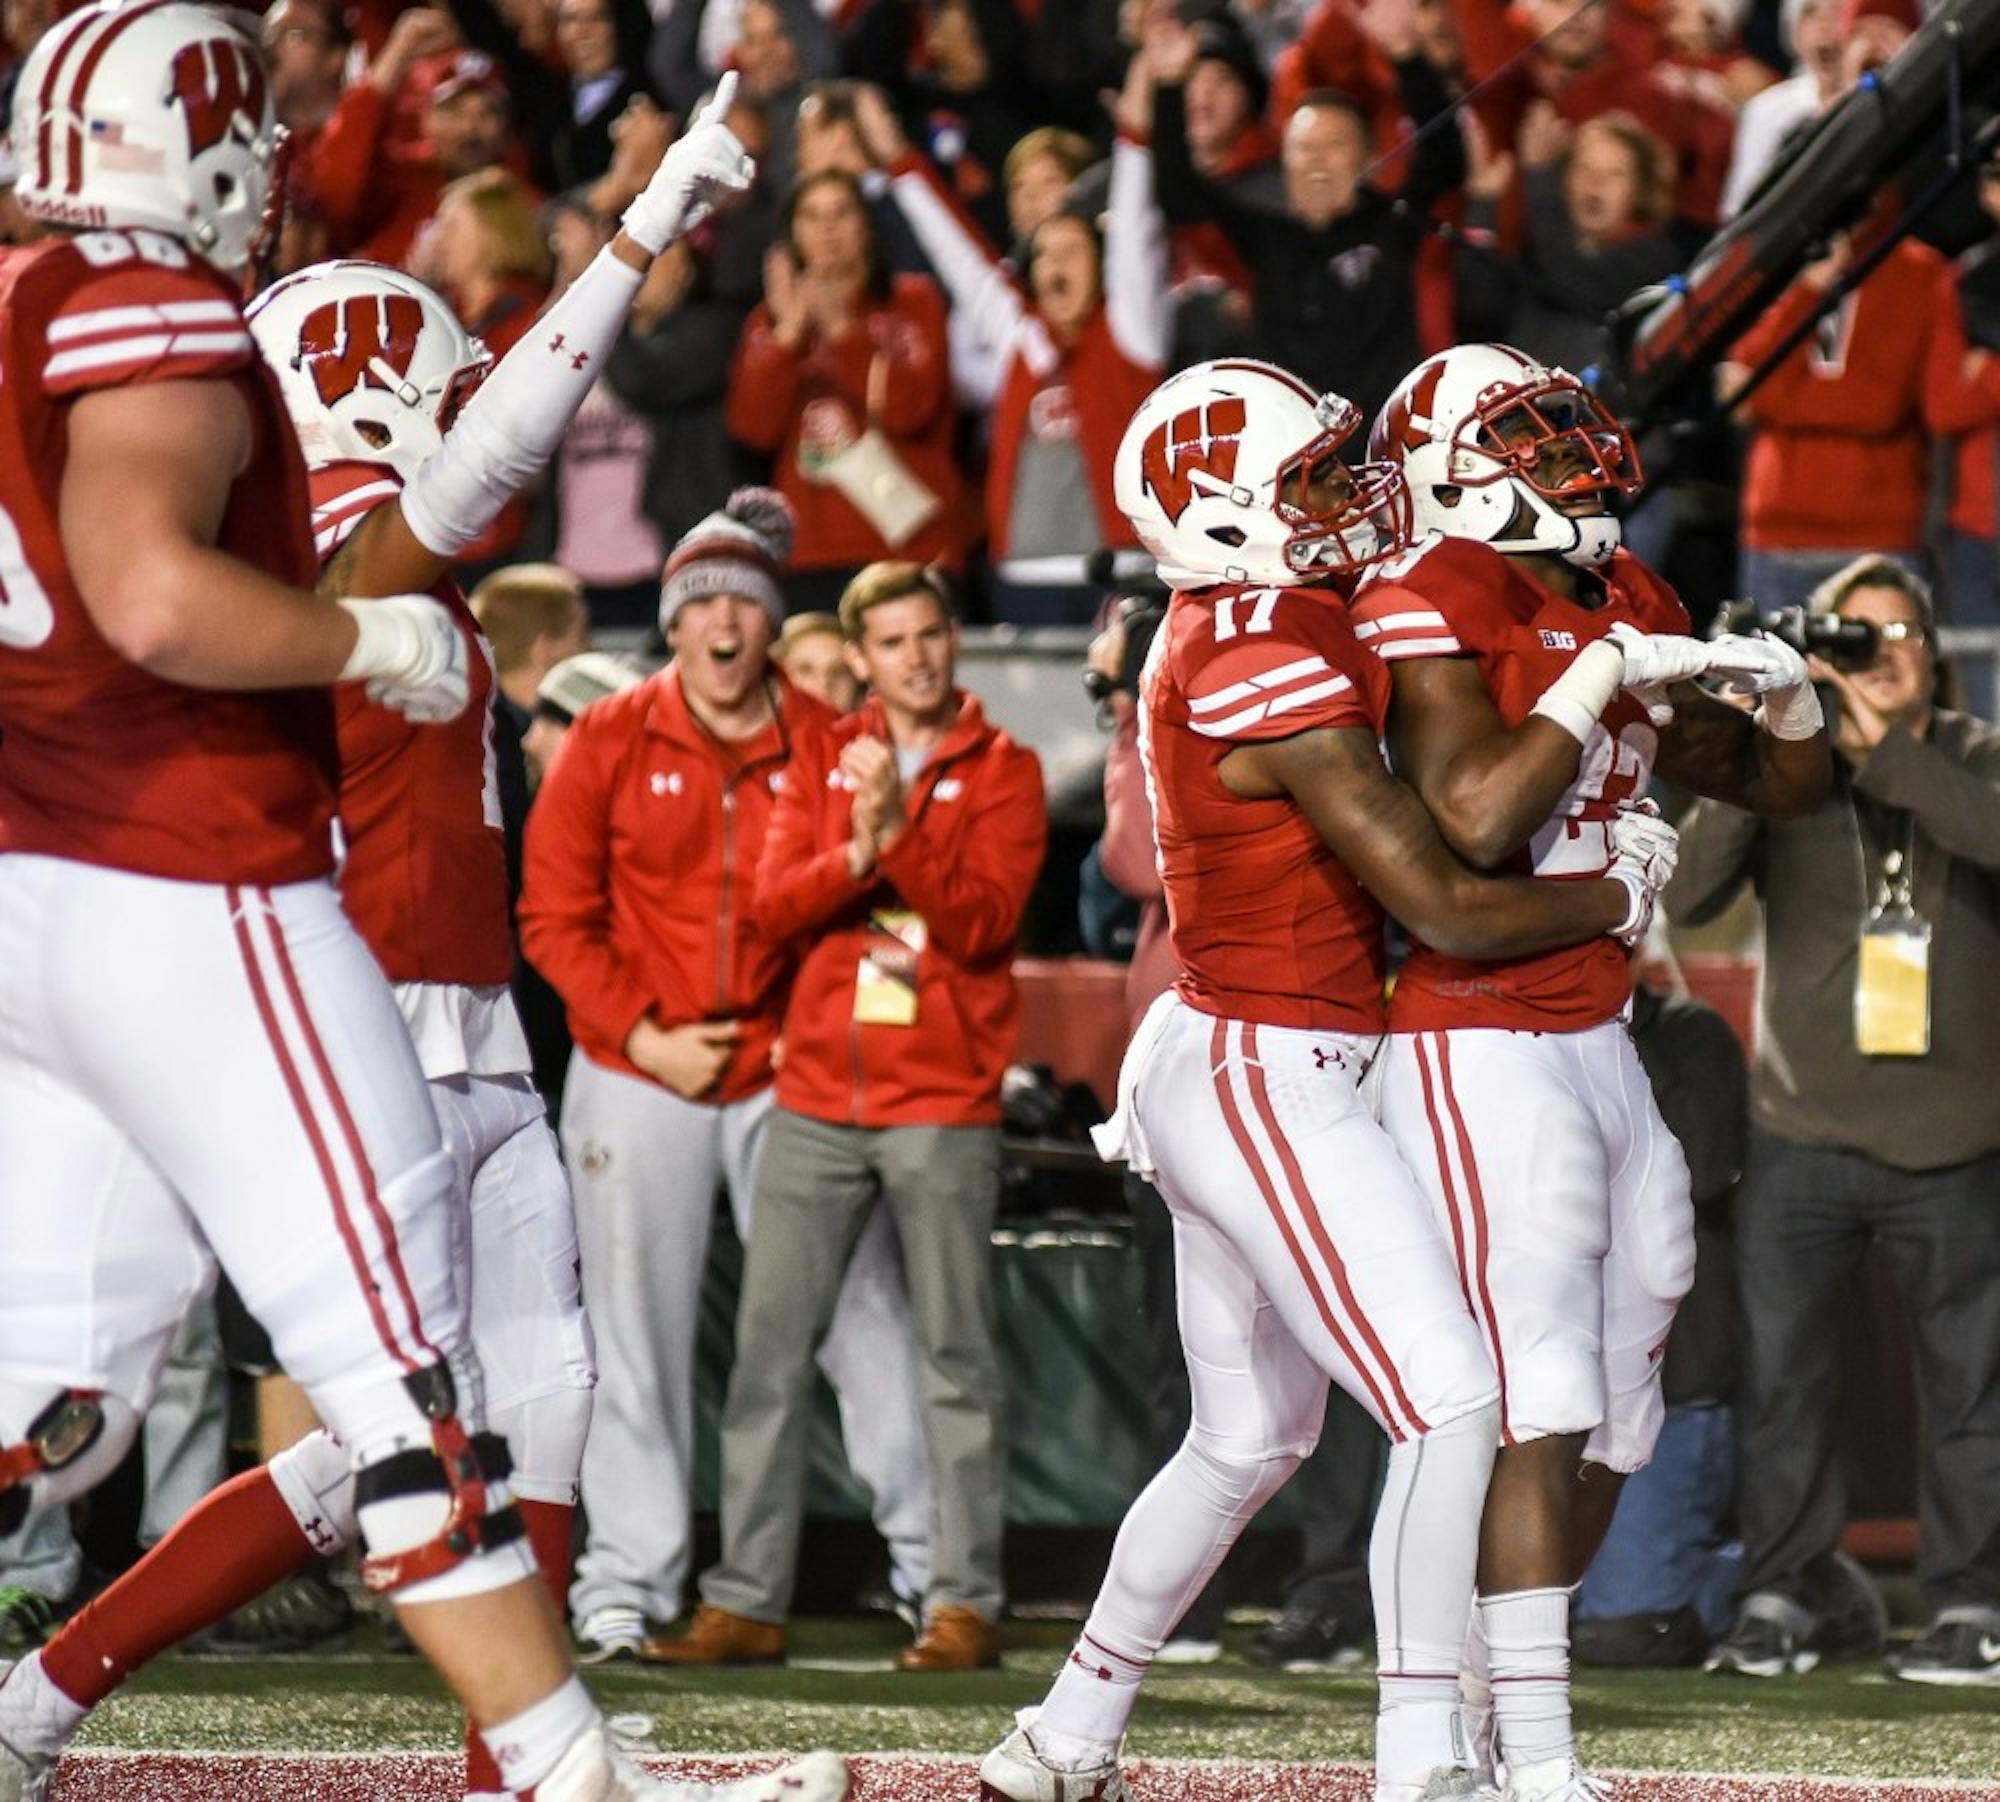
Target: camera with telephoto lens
x,y
1141,603
1848,644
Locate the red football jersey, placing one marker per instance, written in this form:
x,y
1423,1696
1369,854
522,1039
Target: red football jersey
x,y
425,876
1451,597
1266,922
101,762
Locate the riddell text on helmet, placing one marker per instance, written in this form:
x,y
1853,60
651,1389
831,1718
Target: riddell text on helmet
x,y
64,212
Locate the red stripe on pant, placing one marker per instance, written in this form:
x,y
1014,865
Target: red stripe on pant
x,y
1260,1094
391,1250
1472,1270
343,1222
1218,1057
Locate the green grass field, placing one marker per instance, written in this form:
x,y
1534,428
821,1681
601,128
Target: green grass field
x,y
841,1690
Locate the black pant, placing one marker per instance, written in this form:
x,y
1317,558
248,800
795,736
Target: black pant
x,y
1805,1220
1335,1487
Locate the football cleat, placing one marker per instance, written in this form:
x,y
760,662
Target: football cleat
x,y
595,1769
1448,1783
1018,1770
24,1776
1554,1780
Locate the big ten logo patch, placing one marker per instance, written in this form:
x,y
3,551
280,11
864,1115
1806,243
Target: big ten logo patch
x,y
1557,641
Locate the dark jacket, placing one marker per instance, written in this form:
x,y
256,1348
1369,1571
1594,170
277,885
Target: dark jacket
x,y
1338,306
1816,879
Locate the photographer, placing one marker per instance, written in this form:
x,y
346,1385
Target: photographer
x,y
1873,1125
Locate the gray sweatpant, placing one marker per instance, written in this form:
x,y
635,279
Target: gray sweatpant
x,y
816,1193
644,1165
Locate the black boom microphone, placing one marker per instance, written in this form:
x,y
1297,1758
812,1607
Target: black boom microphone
x,y
1664,340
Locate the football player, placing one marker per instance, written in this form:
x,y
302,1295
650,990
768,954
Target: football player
x,y
1304,1249
197,1054
1539,676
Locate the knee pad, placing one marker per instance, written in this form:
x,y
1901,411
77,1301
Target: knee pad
x,y
57,1444
438,1521
1554,1384
316,1479
544,1437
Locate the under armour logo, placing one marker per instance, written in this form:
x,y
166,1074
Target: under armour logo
x,y
1100,1671
560,343
1323,1059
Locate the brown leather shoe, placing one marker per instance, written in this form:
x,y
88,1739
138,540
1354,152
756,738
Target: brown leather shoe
x,y
715,1636
953,1639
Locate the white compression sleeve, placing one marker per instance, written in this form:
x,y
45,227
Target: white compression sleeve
x,y
511,427
1583,691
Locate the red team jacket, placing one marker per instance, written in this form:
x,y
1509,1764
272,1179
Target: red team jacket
x,y
641,852
99,761
1840,457
425,874
1451,597
1267,922
977,828
797,404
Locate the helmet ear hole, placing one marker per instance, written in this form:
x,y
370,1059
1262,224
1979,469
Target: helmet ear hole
x,y
1229,535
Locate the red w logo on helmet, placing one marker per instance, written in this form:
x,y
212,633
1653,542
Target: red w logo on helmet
x,y
221,85
341,342
1203,438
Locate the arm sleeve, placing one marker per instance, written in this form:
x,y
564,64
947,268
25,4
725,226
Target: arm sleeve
x,y
137,323
1718,847
972,903
1952,404
1126,850
1954,797
1186,196
342,162
1136,296
919,355
1437,157
986,303
763,386
801,884
565,911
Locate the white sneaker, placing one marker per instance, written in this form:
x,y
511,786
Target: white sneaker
x,y
1554,1780
1017,1770
1189,1651
613,1631
595,1770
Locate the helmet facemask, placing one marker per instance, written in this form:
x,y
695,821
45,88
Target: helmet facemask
x,y
1553,442
1339,519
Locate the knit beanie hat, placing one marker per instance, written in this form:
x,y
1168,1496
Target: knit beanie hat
x,y
742,549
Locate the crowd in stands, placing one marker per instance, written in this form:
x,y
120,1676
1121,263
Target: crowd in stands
x,y
983,228
981,232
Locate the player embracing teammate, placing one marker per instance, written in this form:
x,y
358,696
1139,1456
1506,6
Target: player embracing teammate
x,y
1539,677
1305,1250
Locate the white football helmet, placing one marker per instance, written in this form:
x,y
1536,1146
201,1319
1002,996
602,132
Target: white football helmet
x,y
154,115
373,365
1230,472
1485,434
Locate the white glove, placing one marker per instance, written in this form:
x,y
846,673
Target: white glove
x,y
1653,697
1645,851
1761,664
705,166
412,656
1655,659
1755,663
